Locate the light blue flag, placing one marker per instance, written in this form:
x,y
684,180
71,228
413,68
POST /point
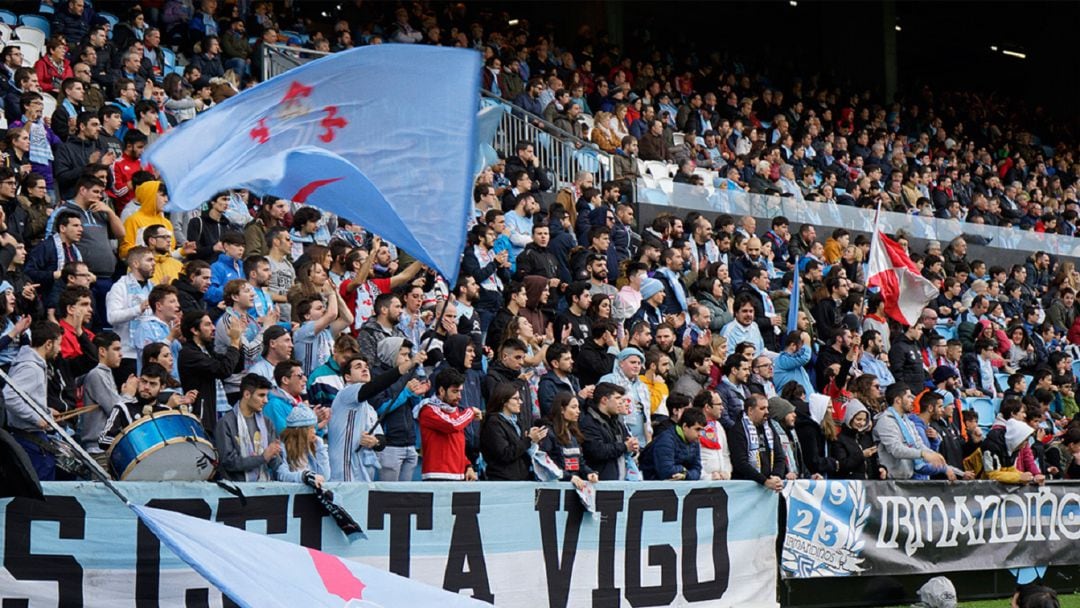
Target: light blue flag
x,y
793,311
487,126
382,135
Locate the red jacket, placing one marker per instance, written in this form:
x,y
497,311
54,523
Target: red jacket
x,y
442,437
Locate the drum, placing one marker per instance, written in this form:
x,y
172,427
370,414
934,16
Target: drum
x,y
163,446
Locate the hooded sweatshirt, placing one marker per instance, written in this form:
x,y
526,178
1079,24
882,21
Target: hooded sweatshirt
x,y
534,288
147,215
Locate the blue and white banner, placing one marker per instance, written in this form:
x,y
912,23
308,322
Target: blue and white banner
x,y
511,544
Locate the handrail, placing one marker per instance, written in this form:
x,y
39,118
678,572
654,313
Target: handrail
x,y
559,151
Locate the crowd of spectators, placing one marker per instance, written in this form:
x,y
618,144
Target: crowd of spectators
x,y
306,345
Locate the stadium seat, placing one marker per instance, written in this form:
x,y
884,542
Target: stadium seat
x,y
170,56
8,17
36,21
946,331
5,32
654,197
3,122
1076,369
1002,380
658,169
30,52
679,138
985,407
110,18
50,104
1028,380
31,35
666,184
175,69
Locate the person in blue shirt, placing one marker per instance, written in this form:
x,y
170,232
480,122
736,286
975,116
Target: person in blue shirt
x,y
227,267
790,364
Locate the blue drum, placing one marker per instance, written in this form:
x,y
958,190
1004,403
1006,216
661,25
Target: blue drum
x,y
163,446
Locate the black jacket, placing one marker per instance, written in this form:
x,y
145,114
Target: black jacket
x,y
500,374
205,232
540,180
605,438
189,296
826,357
198,371
906,364
592,362
848,452
741,467
71,158
570,457
505,450
814,446
536,260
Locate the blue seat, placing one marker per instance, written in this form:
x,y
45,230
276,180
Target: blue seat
x,y
1028,380
36,21
1002,380
985,407
9,17
109,17
170,56
1076,369
175,69
946,331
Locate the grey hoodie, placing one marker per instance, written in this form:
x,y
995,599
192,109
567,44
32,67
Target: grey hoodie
x,y
30,373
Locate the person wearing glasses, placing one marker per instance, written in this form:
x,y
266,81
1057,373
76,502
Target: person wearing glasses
x,y
761,377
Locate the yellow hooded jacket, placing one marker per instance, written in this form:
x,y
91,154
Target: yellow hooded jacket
x,y
147,215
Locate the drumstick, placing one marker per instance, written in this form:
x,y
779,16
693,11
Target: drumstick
x,y
75,412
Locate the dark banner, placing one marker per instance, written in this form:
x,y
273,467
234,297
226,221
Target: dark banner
x,y
854,528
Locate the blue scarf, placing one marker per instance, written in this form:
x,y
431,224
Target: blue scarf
x,y
676,286
40,150
752,444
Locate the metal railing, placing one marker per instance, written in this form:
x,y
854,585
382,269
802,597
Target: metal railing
x,y
559,151
279,58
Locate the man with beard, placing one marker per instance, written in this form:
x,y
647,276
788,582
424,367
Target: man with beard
x,y
507,370
148,399
899,447
756,451
838,354
871,360
665,342
598,277
520,222
381,326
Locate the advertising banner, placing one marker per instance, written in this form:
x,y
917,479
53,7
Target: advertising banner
x,y
511,544
854,528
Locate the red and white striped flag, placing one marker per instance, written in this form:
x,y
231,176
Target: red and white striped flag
x,y
905,291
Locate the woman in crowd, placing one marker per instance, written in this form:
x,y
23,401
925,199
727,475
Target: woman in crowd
x,y
507,448
16,153
853,448
14,326
534,368
162,354
602,134
564,439
34,199
303,452
816,430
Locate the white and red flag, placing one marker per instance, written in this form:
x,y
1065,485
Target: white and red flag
x,y
904,290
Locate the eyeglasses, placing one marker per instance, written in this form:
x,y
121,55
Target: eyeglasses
x,y
763,365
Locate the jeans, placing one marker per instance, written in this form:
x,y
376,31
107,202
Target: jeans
x,y
397,463
44,463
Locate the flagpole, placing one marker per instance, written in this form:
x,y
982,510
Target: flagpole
x,y
80,453
875,244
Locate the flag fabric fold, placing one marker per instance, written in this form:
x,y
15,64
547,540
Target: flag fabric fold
x,y
383,135
285,574
904,290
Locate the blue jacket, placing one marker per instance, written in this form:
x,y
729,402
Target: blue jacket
x,y
792,368
550,386
395,406
222,271
670,454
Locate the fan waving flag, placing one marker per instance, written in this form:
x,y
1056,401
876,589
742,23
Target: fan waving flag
x,y
382,135
284,574
904,291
